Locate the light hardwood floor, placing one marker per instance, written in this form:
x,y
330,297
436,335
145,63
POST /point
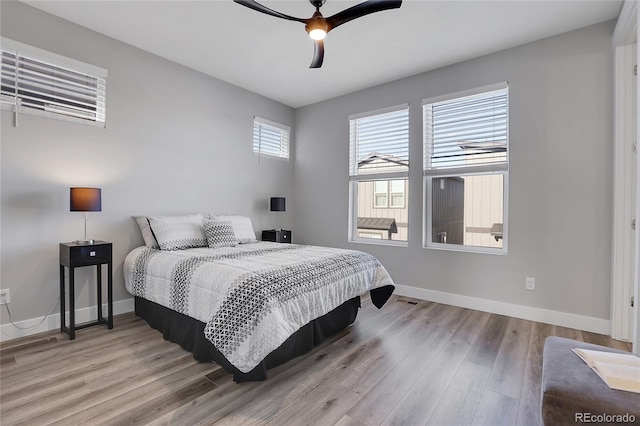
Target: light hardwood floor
x,y
411,363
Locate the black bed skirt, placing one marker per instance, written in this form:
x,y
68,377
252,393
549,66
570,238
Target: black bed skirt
x,y
189,333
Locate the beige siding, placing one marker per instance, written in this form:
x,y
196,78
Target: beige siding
x,y
483,202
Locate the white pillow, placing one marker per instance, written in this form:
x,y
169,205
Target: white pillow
x,y
242,227
147,234
178,232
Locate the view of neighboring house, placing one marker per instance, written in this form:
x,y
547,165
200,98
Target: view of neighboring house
x,y
382,204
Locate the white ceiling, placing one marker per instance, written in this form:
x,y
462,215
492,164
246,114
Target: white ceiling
x,y
271,56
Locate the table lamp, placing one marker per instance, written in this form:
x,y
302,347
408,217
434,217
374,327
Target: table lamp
x,y
85,200
277,205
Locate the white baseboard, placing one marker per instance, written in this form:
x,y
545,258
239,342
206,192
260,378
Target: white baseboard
x,y
8,331
564,319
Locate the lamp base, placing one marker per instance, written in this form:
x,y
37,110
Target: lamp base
x,y
85,241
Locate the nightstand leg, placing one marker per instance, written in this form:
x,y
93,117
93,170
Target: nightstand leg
x,y
99,292
110,294
72,305
63,315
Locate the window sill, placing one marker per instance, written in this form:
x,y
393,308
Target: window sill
x,y
376,242
465,249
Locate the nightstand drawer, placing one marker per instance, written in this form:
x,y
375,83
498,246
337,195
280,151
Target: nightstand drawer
x,y
72,254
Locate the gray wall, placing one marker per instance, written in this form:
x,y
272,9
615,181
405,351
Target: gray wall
x,y
561,104
176,141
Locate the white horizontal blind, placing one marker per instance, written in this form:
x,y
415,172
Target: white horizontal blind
x,y
270,138
379,143
470,131
43,88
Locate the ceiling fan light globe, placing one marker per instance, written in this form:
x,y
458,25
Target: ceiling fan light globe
x,y
317,34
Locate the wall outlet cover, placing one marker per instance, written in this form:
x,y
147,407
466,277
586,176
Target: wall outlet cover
x,y
530,283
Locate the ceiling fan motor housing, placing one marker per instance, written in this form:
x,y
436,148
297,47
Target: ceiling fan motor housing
x,y
317,22
317,3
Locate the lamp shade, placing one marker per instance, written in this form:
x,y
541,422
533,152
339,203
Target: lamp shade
x,y
85,200
277,204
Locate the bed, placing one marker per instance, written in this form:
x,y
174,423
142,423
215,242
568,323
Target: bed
x,y
250,306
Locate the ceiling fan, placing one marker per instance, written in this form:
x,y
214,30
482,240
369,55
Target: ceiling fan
x,y
318,26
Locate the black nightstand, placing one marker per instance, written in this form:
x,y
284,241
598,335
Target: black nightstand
x,y
276,235
74,255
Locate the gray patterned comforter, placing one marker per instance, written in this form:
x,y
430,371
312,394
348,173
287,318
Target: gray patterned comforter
x,y
252,297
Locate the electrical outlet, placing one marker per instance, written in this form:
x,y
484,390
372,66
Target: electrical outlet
x,y
530,283
5,296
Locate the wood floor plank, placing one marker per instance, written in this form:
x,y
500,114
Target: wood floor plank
x,y
495,409
596,339
619,344
413,362
347,420
529,404
166,402
137,396
487,345
27,345
459,403
508,370
568,333
325,405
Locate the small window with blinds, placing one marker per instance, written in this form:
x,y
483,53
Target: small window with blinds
x,y
270,139
466,164
42,83
378,175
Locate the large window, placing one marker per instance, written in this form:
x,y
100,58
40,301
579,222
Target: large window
x,y
270,139
378,174
466,164
38,82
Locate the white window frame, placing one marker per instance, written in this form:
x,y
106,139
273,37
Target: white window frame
x,y
492,169
355,178
385,192
272,146
65,67
403,193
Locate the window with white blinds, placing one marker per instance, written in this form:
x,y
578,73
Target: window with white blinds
x,y
467,131
379,142
270,139
43,83
378,175
466,170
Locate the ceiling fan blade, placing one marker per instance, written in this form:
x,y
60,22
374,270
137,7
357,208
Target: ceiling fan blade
x,y
318,54
361,9
252,4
